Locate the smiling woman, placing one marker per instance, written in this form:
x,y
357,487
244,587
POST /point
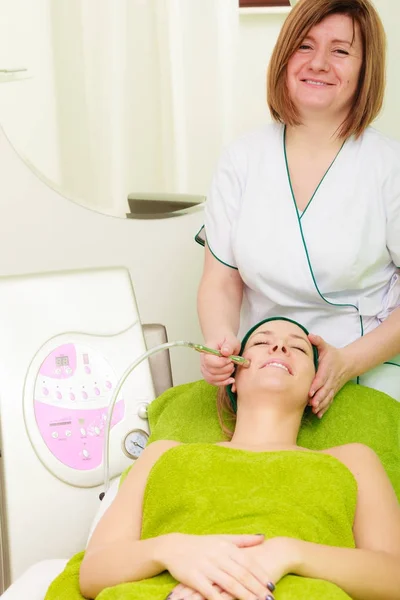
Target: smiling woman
x,y
355,35
303,215
283,339
325,71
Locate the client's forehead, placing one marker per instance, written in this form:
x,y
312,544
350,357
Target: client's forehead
x,y
272,328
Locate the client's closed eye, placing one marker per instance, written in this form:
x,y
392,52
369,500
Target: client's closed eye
x,y
300,348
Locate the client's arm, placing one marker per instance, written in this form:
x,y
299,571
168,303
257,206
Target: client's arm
x,y
372,570
113,555
116,554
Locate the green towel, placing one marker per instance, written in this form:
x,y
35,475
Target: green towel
x,y
188,413
300,494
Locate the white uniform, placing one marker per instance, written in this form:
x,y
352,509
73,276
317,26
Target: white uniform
x,y
334,267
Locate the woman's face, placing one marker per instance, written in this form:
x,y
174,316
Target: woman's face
x,y
323,74
282,360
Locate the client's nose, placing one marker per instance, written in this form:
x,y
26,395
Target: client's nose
x,y
279,346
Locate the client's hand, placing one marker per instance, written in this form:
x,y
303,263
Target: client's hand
x,y
276,556
199,561
182,592
216,369
331,375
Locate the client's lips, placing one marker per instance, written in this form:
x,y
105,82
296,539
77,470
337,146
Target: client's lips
x,y
278,364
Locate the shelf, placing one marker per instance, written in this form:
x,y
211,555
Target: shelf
x,y
267,10
162,206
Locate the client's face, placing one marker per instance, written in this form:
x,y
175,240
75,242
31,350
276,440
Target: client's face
x,y
282,360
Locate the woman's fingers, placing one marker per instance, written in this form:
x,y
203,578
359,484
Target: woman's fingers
x,y
218,375
224,581
330,378
183,592
230,345
217,379
199,562
217,370
241,577
241,584
322,405
257,569
216,362
317,341
209,591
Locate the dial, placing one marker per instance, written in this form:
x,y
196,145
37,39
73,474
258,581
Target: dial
x,y
134,443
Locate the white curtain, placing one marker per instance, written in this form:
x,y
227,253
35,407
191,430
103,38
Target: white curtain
x,y
159,81
197,43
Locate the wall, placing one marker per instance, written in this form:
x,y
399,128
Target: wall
x,y
257,38
389,121
42,231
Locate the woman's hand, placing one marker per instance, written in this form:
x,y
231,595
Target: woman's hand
x,y
217,370
207,563
183,592
276,557
273,559
330,377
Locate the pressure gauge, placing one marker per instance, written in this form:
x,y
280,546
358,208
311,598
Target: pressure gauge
x,y
134,443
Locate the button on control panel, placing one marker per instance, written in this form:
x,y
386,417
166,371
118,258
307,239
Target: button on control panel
x,y
73,389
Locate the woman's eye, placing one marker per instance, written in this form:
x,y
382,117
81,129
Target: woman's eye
x,y
341,51
301,349
304,47
260,343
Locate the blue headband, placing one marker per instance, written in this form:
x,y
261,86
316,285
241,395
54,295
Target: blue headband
x,y
232,396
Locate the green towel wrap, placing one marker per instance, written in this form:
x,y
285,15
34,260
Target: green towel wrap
x,y
204,488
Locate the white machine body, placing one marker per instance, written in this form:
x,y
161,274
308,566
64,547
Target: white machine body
x,y
66,339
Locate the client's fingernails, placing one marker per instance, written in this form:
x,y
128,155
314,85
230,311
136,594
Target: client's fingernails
x,y
269,597
169,596
270,586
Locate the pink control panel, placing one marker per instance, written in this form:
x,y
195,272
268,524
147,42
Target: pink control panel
x,y
72,392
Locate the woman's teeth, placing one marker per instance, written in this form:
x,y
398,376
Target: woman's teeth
x,y
314,82
274,364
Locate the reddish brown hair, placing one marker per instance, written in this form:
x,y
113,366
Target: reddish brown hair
x,y
226,414
369,96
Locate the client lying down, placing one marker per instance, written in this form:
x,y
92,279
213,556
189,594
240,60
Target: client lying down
x,y
254,517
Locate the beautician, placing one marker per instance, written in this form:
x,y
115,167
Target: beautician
x,y
303,215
